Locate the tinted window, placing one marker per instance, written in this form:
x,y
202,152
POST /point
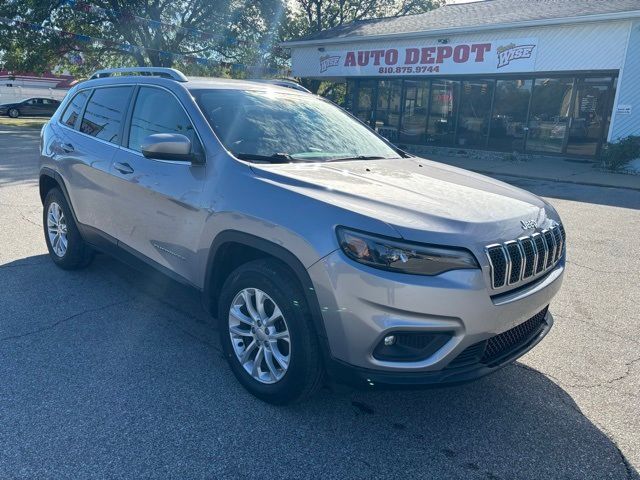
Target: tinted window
x,y
105,113
73,110
267,123
158,111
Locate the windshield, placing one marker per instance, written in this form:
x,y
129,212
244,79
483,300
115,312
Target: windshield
x,y
280,127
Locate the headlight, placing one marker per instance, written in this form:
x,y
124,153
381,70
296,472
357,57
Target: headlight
x,y
403,257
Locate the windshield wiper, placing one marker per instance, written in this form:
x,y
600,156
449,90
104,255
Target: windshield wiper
x,y
275,158
359,157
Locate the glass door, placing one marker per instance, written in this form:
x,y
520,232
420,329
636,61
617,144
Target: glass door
x,y
414,114
441,129
591,109
549,115
387,121
365,101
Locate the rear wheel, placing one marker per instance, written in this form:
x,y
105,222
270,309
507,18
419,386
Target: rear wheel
x,y
267,334
14,112
66,247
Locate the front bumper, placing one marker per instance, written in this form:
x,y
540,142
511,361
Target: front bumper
x,y
361,305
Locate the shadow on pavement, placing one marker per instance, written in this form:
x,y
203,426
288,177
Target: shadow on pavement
x,y
110,370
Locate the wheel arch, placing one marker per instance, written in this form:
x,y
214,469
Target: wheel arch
x,y
50,179
232,248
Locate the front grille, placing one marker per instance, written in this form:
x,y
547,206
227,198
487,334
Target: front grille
x,y
501,346
507,342
517,260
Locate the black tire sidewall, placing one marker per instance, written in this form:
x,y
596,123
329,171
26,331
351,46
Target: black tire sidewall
x,y
304,363
77,254
12,110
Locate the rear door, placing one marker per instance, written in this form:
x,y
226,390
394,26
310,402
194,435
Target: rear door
x,y
91,138
158,201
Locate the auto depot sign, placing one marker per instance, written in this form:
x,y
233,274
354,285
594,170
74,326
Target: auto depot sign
x,y
511,55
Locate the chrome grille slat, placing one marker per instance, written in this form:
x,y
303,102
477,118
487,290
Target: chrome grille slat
x,y
527,257
551,246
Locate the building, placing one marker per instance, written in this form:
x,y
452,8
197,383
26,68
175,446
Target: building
x,y
15,86
557,77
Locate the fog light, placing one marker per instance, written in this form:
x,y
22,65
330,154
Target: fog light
x,y
389,340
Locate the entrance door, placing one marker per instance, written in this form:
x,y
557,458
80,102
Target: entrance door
x,y
550,113
365,101
591,110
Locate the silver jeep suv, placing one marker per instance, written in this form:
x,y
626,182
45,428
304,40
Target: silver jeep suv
x,y
323,250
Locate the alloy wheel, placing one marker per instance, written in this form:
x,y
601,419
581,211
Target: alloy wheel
x,y
259,335
57,229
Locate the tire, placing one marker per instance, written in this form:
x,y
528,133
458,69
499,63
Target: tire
x,y
76,254
304,372
14,112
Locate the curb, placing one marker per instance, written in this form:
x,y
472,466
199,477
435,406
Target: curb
x,y
556,180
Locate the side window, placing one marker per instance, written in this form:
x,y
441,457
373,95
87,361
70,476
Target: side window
x,y
105,111
73,110
158,111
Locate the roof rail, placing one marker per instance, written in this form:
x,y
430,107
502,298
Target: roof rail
x,y
150,71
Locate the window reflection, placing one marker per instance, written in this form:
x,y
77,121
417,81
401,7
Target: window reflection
x,y
509,121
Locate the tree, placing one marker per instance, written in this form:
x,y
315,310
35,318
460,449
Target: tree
x,y
136,32
319,15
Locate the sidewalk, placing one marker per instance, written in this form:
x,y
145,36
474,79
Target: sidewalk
x,y
543,168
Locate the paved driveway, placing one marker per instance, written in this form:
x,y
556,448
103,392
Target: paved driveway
x,y
110,373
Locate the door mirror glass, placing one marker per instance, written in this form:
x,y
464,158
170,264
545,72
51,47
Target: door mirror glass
x,y
168,146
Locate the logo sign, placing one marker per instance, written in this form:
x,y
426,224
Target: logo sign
x,y
528,224
328,61
507,55
623,109
511,52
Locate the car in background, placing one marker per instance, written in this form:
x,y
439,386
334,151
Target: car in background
x,y
31,107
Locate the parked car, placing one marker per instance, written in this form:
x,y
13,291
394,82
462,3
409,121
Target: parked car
x,y
322,250
34,107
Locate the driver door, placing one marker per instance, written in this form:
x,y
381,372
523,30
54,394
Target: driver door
x,y
159,215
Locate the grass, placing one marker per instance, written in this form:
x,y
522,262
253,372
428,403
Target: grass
x,y
23,122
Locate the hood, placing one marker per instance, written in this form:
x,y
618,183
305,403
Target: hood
x,y
422,200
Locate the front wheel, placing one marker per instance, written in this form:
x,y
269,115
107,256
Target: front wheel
x,y
14,113
267,334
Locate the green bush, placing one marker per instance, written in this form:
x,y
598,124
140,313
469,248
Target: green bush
x,y
615,156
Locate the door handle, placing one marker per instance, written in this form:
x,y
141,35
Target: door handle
x,y
67,148
124,168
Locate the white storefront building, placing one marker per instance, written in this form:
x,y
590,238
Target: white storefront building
x,y
557,77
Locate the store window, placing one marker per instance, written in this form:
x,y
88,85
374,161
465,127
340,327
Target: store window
x,y
475,112
388,109
443,111
549,117
509,121
414,116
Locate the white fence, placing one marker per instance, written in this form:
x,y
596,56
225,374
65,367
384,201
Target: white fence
x,y
16,94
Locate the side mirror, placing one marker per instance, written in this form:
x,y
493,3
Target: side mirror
x,y
169,146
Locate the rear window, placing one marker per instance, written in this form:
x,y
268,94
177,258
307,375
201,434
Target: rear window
x,y
105,112
74,109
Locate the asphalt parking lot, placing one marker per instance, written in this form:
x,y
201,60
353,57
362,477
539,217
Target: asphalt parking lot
x,y
110,373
